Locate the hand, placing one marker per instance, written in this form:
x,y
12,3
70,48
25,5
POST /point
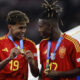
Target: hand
x,y
40,79
51,74
46,71
29,55
14,52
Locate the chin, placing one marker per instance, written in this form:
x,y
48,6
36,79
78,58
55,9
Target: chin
x,y
19,38
44,36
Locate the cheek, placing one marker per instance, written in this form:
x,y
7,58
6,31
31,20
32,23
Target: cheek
x,y
15,32
48,31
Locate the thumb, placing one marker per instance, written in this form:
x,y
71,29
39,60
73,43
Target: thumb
x,y
28,51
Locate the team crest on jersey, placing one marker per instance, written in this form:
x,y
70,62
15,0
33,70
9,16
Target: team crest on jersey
x,y
62,52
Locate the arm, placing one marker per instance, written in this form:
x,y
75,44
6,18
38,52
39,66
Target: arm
x,y
33,64
34,67
13,53
4,62
60,74
40,73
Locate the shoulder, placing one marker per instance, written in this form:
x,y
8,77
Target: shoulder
x,y
43,41
3,40
70,39
3,37
73,42
28,41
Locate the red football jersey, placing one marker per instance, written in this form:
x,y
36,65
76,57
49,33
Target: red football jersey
x,y
67,55
16,69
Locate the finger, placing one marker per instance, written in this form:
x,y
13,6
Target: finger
x,y
14,54
46,73
30,55
23,54
46,69
15,48
28,51
18,50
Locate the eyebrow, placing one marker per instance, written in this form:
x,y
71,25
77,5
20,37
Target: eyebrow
x,y
23,26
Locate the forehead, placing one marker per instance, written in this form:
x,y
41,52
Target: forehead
x,y
47,22
41,21
21,25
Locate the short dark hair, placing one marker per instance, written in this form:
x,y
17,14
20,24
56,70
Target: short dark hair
x,y
17,17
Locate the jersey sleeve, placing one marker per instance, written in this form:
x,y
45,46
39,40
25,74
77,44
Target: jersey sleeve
x,y
76,54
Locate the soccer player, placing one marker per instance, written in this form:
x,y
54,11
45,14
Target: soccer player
x,y
16,51
59,53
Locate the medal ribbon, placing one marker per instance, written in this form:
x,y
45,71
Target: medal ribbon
x,y
21,43
48,50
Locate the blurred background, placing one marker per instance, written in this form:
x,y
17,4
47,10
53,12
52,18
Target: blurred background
x,y
70,15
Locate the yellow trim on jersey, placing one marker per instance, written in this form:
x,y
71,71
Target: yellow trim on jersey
x,y
3,37
77,47
5,49
44,39
30,41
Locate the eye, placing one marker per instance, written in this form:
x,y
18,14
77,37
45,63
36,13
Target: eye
x,y
22,27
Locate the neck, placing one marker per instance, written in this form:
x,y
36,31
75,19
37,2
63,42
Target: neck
x,y
14,38
55,37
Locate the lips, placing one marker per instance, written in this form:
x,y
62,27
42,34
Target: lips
x,y
21,35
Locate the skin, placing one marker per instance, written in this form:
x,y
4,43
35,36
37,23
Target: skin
x,y
17,32
49,29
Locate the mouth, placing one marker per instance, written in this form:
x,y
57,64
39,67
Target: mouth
x,y
44,35
21,36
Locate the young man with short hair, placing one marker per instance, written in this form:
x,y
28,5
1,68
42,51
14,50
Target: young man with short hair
x,y
16,51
